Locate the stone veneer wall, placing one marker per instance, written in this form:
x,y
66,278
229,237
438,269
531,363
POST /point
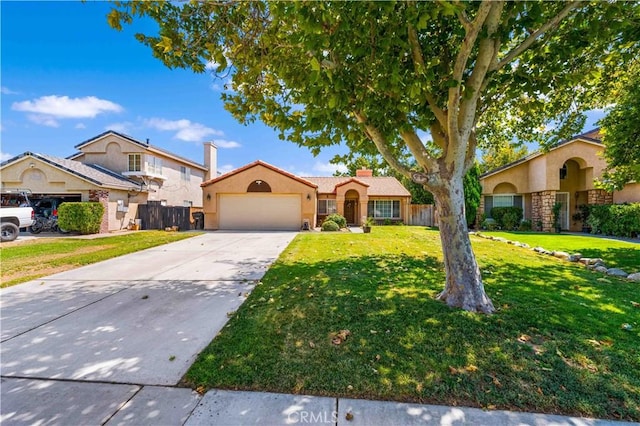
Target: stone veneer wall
x,y
101,196
542,209
599,196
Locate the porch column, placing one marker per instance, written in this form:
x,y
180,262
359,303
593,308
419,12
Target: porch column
x,y
547,200
480,212
599,196
101,196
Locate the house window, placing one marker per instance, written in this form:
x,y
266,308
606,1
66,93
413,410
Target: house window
x,y
384,209
185,173
327,207
154,165
135,163
502,200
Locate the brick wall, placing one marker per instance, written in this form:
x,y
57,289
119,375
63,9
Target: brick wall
x,y
101,196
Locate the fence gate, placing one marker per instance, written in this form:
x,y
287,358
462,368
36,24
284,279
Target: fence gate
x,y
154,215
422,214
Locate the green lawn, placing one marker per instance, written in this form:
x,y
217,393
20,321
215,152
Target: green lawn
x,y
616,254
25,261
556,344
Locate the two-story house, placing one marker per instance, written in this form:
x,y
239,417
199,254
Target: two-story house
x,y
117,170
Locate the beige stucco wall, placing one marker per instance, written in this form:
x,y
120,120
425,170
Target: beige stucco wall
x,y
238,184
112,151
542,173
629,194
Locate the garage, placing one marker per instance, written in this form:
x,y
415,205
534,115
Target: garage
x,y
260,211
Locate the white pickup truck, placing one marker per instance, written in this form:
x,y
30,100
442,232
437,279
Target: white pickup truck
x,y
15,213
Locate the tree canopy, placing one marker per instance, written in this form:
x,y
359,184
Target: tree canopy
x,y
372,75
497,156
621,133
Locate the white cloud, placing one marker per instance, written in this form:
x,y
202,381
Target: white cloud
x,y
43,120
4,156
185,129
80,126
223,143
6,91
65,107
122,127
328,168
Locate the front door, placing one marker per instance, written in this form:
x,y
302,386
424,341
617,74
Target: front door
x,y
350,211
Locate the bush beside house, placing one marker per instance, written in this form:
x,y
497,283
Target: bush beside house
x,y
84,218
621,220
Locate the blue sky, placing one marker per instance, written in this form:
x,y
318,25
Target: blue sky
x,y
66,77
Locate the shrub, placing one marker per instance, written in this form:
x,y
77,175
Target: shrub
x,y
338,219
525,225
621,220
84,218
489,224
507,218
329,225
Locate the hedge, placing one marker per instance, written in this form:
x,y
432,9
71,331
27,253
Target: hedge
x,y
507,218
620,220
84,218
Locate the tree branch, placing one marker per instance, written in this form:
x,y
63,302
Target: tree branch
x,y
477,80
549,25
461,63
381,144
418,150
418,60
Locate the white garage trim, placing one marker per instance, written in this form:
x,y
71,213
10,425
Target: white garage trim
x,y
260,211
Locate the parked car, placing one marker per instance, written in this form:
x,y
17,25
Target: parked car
x,y
15,213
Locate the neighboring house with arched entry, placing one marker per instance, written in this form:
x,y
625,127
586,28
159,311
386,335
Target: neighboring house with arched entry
x,y
565,174
263,197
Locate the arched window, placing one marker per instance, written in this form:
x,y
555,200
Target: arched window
x,y
259,186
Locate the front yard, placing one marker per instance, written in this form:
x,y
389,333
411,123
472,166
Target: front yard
x,y
29,260
354,315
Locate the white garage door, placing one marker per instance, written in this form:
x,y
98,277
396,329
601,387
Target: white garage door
x,y
260,211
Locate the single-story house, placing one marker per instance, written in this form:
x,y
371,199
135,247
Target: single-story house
x,y
565,174
117,170
262,196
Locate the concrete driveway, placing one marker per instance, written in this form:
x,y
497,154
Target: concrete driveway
x,y
84,346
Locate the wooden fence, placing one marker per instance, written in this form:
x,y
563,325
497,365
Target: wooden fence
x,y
154,215
422,215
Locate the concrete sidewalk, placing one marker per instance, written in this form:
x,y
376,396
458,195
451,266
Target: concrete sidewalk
x,y
53,402
109,343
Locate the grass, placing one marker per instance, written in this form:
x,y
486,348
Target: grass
x,y
37,258
555,345
616,254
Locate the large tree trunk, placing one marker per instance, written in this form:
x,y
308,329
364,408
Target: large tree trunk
x,y
463,288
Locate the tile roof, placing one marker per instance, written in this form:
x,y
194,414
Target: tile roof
x,y
259,163
378,185
93,173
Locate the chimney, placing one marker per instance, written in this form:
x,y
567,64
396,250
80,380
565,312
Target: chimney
x,y
364,172
210,160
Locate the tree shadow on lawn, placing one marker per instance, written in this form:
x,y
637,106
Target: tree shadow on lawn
x,y
555,345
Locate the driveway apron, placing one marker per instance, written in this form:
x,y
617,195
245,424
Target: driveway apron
x,y
136,320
